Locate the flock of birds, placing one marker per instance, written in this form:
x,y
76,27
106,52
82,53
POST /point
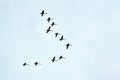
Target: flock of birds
x,y
56,35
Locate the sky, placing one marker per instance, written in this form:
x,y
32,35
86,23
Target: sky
x,y
91,26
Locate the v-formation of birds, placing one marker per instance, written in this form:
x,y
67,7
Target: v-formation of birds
x,y
49,29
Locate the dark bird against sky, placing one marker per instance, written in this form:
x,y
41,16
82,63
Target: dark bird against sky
x,y
49,18
62,38
25,64
56,34
53,59
67,45
36,63
61,57
53,23
49,29
43,12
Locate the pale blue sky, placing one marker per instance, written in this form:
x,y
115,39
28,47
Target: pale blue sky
x,y
92,26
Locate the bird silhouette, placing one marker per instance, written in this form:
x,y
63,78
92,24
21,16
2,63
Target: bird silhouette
x,y
24,64
67,45
49,18
53,23
62,38
36,63
61,57
56,34
43,12
49,29
53,59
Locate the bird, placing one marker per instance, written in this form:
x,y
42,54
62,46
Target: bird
x,y
48,30
43,12
53,23
53,59
62,38
24,64
61,57
56,34
49,18
67,45
36,63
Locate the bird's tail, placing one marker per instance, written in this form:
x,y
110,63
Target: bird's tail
x,y
51,30
56,60
52,18
64,39
64,58
59,34
61,39
46,31
39,64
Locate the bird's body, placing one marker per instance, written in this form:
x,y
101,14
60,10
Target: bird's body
x,y
67,45
61,57
36,63
62,38
49,29
53,60
56,34
49,18
42,13
53,23
24,64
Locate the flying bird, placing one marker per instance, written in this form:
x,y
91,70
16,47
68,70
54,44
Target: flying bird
x,y
62,38
56,34
43,12
67,45
49,29
53,60
49,18
61,57
36,63
24,64
53,23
